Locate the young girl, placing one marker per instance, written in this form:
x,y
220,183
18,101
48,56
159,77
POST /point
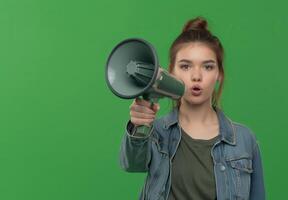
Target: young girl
x,y
195,151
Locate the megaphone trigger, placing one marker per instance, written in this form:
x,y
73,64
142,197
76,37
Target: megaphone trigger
x,y
152,103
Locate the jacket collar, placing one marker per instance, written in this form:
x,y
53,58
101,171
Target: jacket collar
x,y
227,132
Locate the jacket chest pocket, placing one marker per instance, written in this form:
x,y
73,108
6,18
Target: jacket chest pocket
x,y
241,170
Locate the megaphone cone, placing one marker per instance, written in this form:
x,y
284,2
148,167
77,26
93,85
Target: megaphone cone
x,y
131,68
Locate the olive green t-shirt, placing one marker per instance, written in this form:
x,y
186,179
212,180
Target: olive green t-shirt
x,y
192,170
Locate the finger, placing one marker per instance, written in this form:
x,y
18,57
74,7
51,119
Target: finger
x,y
156,107
143,102
133,103
142,115
142,109
139,121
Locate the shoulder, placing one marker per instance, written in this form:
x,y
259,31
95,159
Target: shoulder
x,y
243,130
166,120
162,125
161,122
244,135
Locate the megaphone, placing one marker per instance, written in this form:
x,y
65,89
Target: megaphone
x,y
132,70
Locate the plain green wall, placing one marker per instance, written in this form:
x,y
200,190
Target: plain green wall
x,y
61,127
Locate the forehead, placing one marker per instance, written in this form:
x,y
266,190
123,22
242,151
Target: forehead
x,y
196,52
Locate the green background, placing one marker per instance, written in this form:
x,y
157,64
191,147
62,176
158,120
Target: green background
x,y
61,127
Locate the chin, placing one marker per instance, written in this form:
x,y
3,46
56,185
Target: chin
x,y
196,100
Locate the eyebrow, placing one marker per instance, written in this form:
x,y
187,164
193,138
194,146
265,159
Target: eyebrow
x,y
189,61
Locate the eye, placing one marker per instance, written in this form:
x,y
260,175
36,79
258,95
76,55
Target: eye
x,y
184,66
209,67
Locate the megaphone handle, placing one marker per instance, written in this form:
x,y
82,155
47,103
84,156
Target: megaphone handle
x,y
151,100
142,131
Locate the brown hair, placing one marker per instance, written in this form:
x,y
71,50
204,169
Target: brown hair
x,y
196,30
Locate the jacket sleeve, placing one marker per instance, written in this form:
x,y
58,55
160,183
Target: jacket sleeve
x,y
135,153
257,190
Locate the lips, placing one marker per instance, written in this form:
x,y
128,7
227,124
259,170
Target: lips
x,y
196,90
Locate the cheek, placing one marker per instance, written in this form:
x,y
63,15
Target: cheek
x,y
175,74
210,83
181,76
186,81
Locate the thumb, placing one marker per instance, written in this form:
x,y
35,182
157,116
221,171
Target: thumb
x,y
156,107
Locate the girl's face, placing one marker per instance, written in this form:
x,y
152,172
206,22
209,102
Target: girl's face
x,y
196,65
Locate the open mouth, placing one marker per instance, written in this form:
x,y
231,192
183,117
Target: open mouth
x,y
196,90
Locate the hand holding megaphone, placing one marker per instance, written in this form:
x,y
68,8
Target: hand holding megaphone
x,y
142,113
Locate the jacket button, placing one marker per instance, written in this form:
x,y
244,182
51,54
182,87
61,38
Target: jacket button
x,y
222,168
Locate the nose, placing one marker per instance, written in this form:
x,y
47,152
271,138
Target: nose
x,y
196,75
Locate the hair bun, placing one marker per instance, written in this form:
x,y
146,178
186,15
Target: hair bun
x,y
198,23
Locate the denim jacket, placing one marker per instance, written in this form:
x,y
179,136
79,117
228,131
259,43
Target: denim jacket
x,y
236,157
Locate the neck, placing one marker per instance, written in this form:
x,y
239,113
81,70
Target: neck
x,y
197,114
